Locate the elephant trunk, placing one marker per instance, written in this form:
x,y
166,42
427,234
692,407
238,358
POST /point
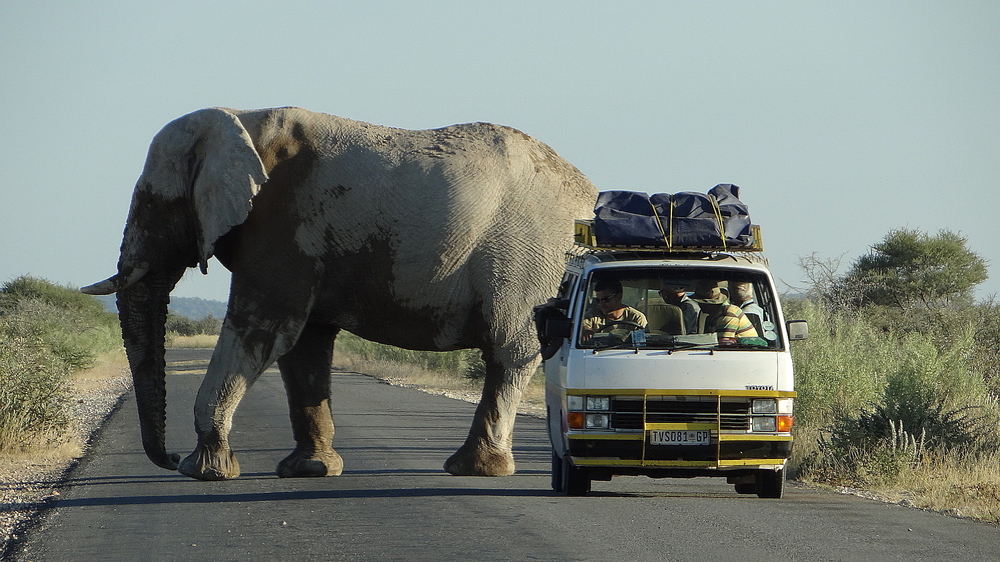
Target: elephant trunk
x,y
142,311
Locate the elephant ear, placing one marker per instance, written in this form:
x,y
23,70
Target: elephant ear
x,y
225,173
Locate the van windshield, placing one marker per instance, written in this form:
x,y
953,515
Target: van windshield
x,y
677,308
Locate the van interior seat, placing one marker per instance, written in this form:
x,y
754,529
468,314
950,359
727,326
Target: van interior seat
x,y
664,318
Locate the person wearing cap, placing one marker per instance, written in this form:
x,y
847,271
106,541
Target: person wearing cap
x,y
608,295
719,316
676,294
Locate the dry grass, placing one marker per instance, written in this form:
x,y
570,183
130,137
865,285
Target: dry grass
x,y
963,487
967,487
201,341
57,452
108,366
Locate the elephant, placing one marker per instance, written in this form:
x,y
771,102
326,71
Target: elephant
x,y
438,239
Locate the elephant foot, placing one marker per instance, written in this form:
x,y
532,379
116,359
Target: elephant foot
x,y
301,464
206,464
472,460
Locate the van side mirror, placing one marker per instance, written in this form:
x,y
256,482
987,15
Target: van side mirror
x,y
798,330
558,327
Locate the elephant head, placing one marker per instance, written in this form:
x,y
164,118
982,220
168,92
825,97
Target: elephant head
x,y
200,175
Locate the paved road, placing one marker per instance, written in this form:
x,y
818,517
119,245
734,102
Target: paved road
x,y
394,501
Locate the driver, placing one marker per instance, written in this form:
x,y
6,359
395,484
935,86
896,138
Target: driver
x,y
611,313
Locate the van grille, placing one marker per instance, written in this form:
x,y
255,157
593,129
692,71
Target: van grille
x,y
627,413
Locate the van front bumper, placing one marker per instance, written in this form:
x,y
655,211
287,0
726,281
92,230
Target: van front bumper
x,y
725,451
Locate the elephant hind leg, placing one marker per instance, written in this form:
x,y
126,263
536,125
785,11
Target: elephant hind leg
x,y
487,449
305,370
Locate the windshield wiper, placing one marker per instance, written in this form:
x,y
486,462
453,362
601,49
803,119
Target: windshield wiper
x,y
681,346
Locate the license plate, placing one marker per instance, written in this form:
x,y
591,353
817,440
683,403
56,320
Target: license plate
x,y
680,437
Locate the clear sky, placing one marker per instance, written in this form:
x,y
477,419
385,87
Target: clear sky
x,y
840,120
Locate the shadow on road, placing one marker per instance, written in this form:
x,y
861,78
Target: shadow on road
x,y
297,496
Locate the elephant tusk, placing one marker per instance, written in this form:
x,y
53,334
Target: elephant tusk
x,y
115,283
105,287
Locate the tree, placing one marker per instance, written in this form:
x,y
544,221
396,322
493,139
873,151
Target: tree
x,y
910,268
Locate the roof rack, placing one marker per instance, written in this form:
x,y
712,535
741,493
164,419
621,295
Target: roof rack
x,y
583,235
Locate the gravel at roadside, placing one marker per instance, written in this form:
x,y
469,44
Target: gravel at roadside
x,y
26,487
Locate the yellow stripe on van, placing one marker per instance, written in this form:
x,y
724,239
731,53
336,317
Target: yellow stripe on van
x,y
608,436
752,437
679,392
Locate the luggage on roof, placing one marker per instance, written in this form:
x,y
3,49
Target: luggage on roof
x,y
686,220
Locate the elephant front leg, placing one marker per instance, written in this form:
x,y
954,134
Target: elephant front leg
x,y
225,384
233,369
487,449
305,371
212,459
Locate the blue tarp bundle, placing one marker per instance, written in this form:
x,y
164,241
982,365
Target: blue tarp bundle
x,y
715,219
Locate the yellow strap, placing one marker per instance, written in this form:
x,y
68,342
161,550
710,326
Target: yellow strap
x,y
671,225
718,217
659,222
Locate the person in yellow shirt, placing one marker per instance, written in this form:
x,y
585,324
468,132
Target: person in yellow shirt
x,y
719,316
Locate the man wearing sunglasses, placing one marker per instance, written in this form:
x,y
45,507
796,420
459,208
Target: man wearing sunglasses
x,y
611,314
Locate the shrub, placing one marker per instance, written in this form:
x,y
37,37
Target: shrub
x,y
46,333
844,457
184,326
885,388
476,369
26,288
72,326
33,391
841,367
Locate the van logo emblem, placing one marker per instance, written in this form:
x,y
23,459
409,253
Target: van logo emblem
x,y
759,387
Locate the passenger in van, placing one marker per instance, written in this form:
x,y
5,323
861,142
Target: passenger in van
x,y
719,316
742,295
675,294
608,295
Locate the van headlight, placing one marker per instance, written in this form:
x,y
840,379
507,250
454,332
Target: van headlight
x,y
764,406
597,421
764,424
598,403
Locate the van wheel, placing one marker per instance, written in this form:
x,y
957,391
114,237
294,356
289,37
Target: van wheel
x,y
750,488
557,478
575,480
770,483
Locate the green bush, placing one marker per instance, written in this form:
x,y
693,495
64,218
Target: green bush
x,y
841,367
847,456
882,387
475,370
28,288
33,391
184,326
46,333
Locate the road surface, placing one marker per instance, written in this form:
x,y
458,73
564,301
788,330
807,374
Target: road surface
x,y
394,501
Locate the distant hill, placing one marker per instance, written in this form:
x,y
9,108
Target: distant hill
x,y
191,307
196,308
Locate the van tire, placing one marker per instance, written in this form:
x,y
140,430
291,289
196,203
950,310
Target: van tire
x,y
770,483
575,480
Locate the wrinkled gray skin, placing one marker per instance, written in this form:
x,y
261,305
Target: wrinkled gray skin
x,y
432,240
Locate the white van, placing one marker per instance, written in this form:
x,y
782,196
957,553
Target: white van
x,y
663,391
